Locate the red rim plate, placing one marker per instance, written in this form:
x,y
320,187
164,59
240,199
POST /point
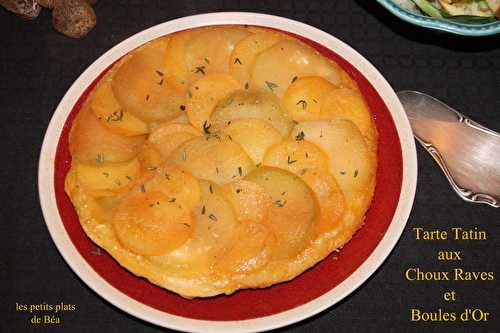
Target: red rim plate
x,y
250,304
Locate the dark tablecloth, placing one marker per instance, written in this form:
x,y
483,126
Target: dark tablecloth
x,y
37,66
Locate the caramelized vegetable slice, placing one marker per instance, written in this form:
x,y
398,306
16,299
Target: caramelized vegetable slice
x,y
304,97
247,256
92,143
275,68
310,163
149,157
109,112
204,94
210,50
351,162
215,231
169,136
140,85
245,104
149,223
249,200
175,66
245,51
349,104
297,156
213,157
107,179
254,135
292,212
180,185
330,199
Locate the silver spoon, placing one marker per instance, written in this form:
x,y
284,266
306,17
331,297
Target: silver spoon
x,y
468,153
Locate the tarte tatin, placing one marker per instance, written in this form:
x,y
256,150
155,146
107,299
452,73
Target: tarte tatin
x,y
222,158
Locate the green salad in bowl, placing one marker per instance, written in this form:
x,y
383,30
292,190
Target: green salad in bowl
x,y
473,18
460,11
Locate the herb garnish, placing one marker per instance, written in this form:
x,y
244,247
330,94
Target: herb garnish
x,y
206,60
271,85
143,188
203,209
304,104
238,190
190,94
167,176
342,173
237,61
105,174
279,203
161,82
115,116
258,165
290,161
246,85
240,171
355,173
152,168
307,155
206,127
212,217
211,189
294,79
160,73
99,158
187,225
182,107
200,69
147,97
300,136
216,170
128,177
172,200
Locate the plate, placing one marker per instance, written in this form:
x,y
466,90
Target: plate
x,y
473,30
247,310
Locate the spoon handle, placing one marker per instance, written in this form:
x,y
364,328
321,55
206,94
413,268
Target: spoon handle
x,y
467,153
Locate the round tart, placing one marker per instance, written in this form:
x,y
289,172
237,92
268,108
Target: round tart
x,y
222,158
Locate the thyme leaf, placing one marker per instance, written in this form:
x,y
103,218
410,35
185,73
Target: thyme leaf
x,y
280,203
271,85
300,136
304,104
206,127
200,69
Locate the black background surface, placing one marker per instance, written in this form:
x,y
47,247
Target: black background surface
x,y
37,66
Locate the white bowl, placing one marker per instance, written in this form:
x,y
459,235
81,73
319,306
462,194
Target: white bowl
x,y
152,315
